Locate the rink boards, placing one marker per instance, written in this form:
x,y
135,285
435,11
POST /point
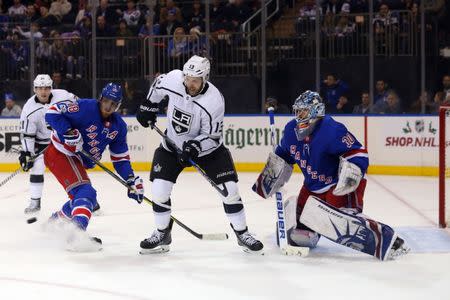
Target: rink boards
x,y
402,145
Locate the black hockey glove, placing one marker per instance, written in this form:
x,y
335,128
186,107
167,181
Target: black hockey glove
x,y
146,114
191,150
25,160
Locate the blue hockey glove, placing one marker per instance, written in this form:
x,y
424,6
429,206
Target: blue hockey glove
x,y
136,190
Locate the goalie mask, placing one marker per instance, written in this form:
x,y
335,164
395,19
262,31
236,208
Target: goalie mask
x,y
308,108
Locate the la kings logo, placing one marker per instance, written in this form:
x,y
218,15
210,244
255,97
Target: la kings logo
x,y
181,121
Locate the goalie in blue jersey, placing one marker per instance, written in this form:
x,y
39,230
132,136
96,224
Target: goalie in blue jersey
x,y
330,202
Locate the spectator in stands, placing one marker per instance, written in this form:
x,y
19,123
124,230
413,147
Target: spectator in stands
x,y
103,29
18,10
60,8
34,30
392,105
132,97
331,6
149,28
236,12
83,11
131,16
58,50
344,26
58,82
386,25
446,84
328,26
31,15
178,45
170,7
44,56
380,91
17,55
429,105
85,27
279,108
74,52
365,107
46,19
168,27
11,108
197,42
195,16
107,12
335,93
308,10
216,9
123,30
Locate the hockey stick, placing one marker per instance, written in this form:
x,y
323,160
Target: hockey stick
x,y
207,236
13,174
223,192
285,248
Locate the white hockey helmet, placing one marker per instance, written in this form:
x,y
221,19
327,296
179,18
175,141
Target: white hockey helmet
x,y
42,80
197,66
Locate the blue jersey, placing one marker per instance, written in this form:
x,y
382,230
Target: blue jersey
x,y
318,154
97,133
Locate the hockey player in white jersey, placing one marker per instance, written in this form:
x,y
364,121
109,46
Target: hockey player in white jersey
x,y
194,122
35,136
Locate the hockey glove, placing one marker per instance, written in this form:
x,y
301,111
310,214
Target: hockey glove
x,y
73,141
146,114
350,176
191,150
26,162
136,190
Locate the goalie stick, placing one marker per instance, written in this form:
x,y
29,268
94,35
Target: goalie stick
x,y
204,236
285,248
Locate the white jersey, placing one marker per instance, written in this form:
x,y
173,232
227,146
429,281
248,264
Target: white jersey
x,y
34,132
190,118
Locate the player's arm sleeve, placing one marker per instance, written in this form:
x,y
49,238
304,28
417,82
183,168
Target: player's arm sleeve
x,y
282,149
157,91
120,155
211,126
58,117
347,146
28,131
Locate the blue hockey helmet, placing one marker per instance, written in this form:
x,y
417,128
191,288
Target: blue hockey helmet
x,y
112,91
308,107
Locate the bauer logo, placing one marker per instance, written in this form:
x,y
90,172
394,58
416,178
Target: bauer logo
x,y
181,121
280,216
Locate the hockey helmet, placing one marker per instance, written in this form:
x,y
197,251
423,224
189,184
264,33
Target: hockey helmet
x,y
197,66
112,91
308,107
42,80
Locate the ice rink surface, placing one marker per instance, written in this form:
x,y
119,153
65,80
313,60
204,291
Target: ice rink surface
x,y
35,265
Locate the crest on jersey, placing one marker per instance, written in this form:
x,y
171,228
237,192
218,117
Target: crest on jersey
x,y
181,121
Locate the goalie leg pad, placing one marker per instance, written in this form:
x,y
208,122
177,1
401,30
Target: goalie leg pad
x,y
348,228
274,175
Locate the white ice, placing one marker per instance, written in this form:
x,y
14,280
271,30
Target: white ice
x,y
34,265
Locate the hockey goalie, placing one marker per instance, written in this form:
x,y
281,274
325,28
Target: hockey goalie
x,y
330,202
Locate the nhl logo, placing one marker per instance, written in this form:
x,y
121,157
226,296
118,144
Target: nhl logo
x,y
157,168
420,126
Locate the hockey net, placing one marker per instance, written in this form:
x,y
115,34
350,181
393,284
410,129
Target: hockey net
x,y
444,166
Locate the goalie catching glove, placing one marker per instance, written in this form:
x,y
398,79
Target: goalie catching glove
x,y
136,190
274,175
349,177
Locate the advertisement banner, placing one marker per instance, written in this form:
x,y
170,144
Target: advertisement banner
x,y
403,140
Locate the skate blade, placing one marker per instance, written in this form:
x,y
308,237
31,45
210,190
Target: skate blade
x,y
258,252
157,250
